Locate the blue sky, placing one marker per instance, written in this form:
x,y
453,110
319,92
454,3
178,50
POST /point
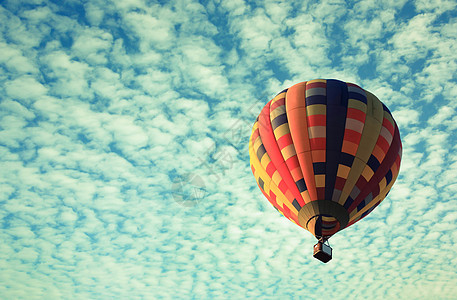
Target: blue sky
x,y
124,166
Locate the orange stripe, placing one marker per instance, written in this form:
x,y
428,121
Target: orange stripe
x,y
296,115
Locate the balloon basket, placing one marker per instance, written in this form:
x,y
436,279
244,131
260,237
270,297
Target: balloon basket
x,y
322,252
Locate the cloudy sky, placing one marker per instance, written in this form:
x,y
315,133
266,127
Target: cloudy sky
x,y
124,166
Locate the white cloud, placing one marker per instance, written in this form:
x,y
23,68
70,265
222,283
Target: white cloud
x,y
69,76
440,6
126,132
406,117
15,61
94,13
92,46
68,216
142,25
414,39
25,88
16,109
27,254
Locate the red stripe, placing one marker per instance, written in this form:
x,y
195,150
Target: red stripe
x,y
356,114
271,169
318,143
383,144
273,196
313,85
397,162
361,183
286,211
265,194
285,141
375,191
352,84
278,103
339,183
296,114
295,218
386,123
271,146
317,120
272,199
292,162
321,193
283,187
352,136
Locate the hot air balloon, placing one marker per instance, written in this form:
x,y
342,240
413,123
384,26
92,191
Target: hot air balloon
x,y
325,153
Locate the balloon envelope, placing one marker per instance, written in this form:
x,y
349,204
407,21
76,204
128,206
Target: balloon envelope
x,y
325,153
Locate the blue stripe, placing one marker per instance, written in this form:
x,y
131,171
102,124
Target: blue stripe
x,y
301,185
261,184
348,202
346,159
361,206
278,121
337,102
373,163
317,99
296,205
318,227
389,176
357,96
319,168
261,152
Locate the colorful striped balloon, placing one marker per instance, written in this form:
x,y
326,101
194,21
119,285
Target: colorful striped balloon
x,y
325,153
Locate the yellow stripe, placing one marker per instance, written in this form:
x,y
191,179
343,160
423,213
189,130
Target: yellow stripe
x,y
382,184
367,173
281,130
354,173
305,196
352,103
394,170
320,180
288,151
279,199
269,183
257,143
290,206
280,110
370,133
265,161
317,80
343,171
276,178
278,96
372,128
259,170
316,109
